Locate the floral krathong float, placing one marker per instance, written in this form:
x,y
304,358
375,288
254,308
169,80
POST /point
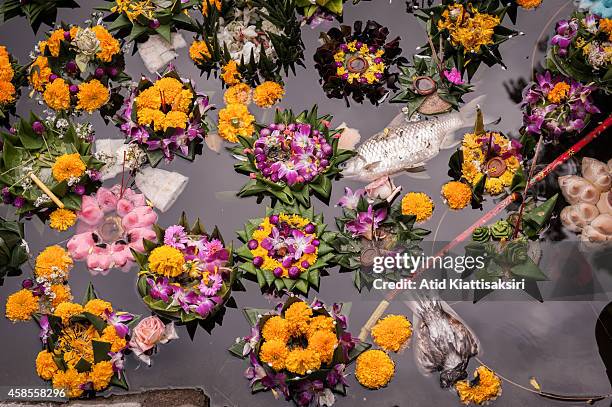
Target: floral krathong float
x,y
84,346
47,167
369,228
14,250
589,212
165,118
37,12
252,41
137,20
358,62
289,249
582,49
79,69
110,224
187,275
12,77
292,158
299,351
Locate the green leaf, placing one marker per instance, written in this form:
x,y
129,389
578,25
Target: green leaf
x,y
90,294
82,366
529,270
100,351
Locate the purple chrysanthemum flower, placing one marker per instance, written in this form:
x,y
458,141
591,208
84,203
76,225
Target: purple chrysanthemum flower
x,y
175,236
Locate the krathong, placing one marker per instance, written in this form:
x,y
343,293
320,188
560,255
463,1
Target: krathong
x,y
252,41
84,346
36,12
289,249
358,62
294,157
187,274
12,77
137,20
299,351
79,69
47,167
582,49
369,228
111,223
165,118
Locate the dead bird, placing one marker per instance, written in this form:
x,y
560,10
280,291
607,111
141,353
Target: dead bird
x,y
443,342
407,145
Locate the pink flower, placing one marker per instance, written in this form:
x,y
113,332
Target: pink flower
x,y
136,235
142,216
134,197
79,245
453,76
90,212
124,207
121,254
148,333
100,259
382,188
106,199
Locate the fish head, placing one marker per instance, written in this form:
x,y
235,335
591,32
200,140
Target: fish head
x,y
353,167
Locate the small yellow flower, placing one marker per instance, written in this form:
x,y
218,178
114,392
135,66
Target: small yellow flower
x,y
494,186
57,95
61,219
374,369
487,387
166,261
417,204
274,352
92,95
268,94
392,332
457,195
20,306
68,166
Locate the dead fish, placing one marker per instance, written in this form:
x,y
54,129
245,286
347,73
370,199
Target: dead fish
x,y
444,344
407,146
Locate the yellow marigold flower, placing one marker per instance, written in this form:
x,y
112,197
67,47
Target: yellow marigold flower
x,y
205,3
101,374
558,93
98,307
486,388
62,294
392,332
302,361
21,305
324,343
374,369
170,88
61,219
199,52
457,195
230,74
494,186
39,73
529,4
175,119
506,178
7,93
417,204
149,98
67,310
45,365
298,316
57,95
92,95
148,117
53,42
240,93
469,31
166,261
110,335
68,166
321,323
52,259
109,46
71,381
276,328
6,71
268,94
235,120
274,352
183,102
605,25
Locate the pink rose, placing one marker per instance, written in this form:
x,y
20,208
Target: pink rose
x,y
148,333
79,245
124,207
134,197
136,236
121,254
382,188
106,199
142,216
100,259
90,212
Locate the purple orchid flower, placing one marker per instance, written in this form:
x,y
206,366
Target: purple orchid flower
x,y
205,305
160,289
300,243
366,223
350,200
337,376
119,320
340,318
45,329
347,343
